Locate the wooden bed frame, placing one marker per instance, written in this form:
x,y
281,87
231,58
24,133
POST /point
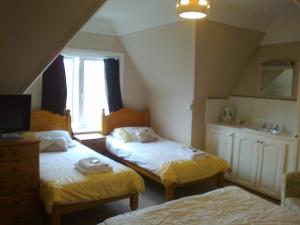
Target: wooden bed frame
x,y
44,121
130,118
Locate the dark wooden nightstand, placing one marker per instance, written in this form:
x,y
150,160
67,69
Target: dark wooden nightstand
x,y
95,141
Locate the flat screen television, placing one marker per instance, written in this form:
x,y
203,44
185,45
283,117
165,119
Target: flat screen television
x,y
15,113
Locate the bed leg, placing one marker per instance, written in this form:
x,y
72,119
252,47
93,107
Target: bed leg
x,y
169,193
220,180
134,201
55,215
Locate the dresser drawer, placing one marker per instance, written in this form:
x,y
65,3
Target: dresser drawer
x,y
18,185
17,152
22,216
18,201
14,169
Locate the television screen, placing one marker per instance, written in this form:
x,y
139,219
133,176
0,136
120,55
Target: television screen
x,y
15,113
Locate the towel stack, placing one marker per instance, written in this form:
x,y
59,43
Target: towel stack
x,y
193,153
93,165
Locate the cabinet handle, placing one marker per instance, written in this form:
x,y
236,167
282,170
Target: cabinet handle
x,y
261,142
257,141
296,136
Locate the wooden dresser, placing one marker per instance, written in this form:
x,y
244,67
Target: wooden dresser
x,y
19,182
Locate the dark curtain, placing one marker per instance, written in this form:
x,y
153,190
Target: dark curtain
x,y
54,88
113,90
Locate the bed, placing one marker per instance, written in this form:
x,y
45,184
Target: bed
x,y
226,206
146,158
63,189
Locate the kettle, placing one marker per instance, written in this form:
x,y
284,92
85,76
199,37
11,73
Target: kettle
x,y
227,115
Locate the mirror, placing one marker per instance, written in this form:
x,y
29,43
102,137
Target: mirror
x,y
278,80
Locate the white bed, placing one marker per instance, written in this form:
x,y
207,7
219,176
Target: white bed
x,y
165,158
62,183
159,160
62,188
227,206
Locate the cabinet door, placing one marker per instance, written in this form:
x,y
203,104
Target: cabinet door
x,y
220,143
271,166
245,159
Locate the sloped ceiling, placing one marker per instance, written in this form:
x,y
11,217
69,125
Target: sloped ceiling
x,y
33,33
135,15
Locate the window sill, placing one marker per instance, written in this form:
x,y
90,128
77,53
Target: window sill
x,y
85,132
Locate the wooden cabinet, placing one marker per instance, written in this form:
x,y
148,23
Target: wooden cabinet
x,y
258,160
19,182
94,141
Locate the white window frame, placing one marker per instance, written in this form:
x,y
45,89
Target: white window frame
x,y
96,55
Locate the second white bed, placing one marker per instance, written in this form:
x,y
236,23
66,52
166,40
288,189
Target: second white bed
x,y
165,158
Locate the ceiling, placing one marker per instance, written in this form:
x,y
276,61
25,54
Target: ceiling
x,y
118,17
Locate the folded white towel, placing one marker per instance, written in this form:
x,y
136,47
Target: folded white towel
x,y
93,171
92,165
193,153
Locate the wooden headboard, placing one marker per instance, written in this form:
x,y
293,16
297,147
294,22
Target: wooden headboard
x,y
42,120
123,118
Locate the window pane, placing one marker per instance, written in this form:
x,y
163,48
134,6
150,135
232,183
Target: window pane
x,y
94,95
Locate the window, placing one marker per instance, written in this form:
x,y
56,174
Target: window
x,y
86,95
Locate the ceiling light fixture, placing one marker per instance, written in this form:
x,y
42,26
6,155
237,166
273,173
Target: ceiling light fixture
x,y
193,9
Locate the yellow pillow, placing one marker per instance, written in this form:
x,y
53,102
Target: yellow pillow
x,y
124,135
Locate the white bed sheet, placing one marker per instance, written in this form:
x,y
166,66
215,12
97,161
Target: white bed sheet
x,y
150,156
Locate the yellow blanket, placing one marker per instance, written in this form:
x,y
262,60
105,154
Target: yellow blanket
x,y
62,183
181,171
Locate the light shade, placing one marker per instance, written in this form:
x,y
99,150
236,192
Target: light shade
x,y
193,9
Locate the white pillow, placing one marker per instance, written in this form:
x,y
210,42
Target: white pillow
x,y
132,132
53,134
146,135
57,144
122,134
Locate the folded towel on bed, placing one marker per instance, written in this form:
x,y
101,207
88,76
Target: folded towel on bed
x,y
92,165
193,153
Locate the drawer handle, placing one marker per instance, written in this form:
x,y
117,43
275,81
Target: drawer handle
x,y
257,141
1,155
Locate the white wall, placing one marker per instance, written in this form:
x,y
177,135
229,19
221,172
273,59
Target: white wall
x,y
133,85
285,29
165,58
36,93
255,111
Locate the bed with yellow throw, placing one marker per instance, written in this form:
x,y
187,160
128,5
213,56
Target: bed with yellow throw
x,y
65,189
132,142
226,206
